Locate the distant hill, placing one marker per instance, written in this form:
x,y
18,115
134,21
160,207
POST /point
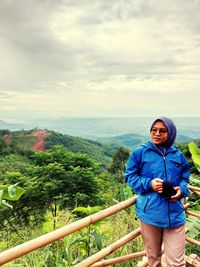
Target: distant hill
x,y
133,140
101,149
106,127
93,128
101,152
128,140
11,126
183,138
35,139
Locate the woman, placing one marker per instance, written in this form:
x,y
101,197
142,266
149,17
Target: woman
x,y
159,173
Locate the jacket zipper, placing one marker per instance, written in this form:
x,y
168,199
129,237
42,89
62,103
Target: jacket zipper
x,y
168,200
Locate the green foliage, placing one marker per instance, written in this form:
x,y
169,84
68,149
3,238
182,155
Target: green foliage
x,y
3,132
25,210
63,179
118,164
4,149
184,147
193,199
133,140
58,178
125,193
13,163
194,232
94,149
86,211
195,151
88,242
129,141
11,192
193,222
22,144
193,226
108,188
70,175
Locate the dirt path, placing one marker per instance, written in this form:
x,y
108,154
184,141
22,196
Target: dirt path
x,y
41,135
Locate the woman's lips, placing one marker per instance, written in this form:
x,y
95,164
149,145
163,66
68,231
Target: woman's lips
x,y
157,139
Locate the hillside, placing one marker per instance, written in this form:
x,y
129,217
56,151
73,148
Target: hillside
x,y
40,135
133,140
24,142
92,128
103,153
127,140
101,149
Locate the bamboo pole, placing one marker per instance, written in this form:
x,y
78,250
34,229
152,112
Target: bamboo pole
x,y
193,241
128,257
48,238
195,190
119,259
193,262
195,214
108,250
186,206
191,187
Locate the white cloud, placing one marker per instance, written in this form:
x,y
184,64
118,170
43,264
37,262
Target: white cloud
x,y
92,56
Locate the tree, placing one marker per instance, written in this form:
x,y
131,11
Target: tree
x,y
4,150
119,163
57,178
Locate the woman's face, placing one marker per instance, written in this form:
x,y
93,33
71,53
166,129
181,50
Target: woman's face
x,y
158,133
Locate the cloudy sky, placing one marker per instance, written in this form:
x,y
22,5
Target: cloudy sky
x,y
97,58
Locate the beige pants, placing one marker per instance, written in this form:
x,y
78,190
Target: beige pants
x,y
174,245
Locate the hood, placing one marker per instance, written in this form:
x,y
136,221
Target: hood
x,y
171,128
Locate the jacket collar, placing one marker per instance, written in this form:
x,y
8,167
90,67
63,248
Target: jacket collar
x,y
149,145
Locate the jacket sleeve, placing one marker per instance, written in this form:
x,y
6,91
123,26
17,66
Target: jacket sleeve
x,y
184,177
132,174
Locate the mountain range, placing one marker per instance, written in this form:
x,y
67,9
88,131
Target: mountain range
x,y
94,128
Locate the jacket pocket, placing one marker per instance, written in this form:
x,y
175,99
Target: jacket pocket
x,y
142,202
176,207
175,168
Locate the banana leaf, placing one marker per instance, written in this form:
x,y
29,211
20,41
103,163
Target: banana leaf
x,y
195,152
11,192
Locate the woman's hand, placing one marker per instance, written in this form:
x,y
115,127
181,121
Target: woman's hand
x,y
157,185
178,194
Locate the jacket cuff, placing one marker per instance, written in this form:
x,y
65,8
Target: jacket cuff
x,y
150,185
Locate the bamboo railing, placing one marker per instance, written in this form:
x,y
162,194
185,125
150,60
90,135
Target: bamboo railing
x,y
120,259
94,260
46,239
108,250
195,190
101,254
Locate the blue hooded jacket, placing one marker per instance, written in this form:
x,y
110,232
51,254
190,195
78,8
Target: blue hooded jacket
x,y
148,162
